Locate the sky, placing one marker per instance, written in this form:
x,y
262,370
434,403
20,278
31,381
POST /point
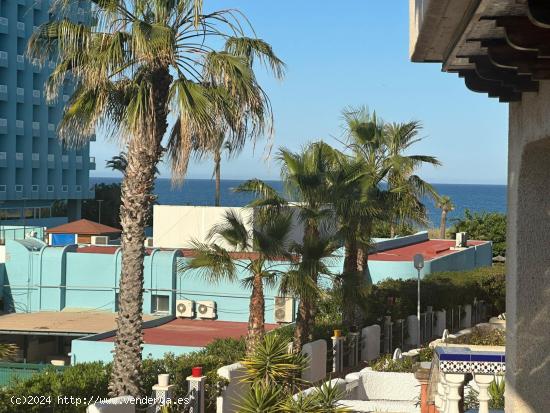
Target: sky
x,y
355,53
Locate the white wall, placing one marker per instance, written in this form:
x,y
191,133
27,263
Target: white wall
x,y
175,226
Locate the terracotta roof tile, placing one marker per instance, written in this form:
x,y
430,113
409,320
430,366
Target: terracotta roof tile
x,y
85,227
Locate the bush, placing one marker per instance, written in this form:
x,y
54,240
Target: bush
x,y
388,365
482,337
91,379
484,226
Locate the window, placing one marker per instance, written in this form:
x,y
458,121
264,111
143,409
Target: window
x,y
160,304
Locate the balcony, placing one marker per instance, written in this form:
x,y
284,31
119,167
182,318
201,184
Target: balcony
x,y
51,161
3,92
37,4
36,67
19,127
35,191
3,59
19,160
65,161
21,32
19,191
20,62
36,129
78,161
51,130
36,97
66,98
3,125
20,93
3,192
35,160
3,159
92,163
64,188
4,26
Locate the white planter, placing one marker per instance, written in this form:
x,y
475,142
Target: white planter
x,y
164,380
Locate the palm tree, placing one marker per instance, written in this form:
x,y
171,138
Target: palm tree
x,y
405,187
304,176
139,62
118,163
446,205
219,145
266,243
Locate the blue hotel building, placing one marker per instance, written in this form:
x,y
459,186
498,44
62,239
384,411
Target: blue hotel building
x,y
35,169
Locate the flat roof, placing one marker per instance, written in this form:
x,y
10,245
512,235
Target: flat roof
x,y
430,249
73,322
193,333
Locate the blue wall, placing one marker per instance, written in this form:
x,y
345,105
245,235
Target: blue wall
x,y
54,278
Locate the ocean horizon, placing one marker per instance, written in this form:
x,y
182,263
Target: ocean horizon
x,y
475,197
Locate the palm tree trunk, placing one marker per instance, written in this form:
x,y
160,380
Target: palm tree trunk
x,y
443,224
350,272
303,331
217,172
256,319
144,152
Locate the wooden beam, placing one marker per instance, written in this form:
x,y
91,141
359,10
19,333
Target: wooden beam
x,y
492,88
522,34
507,77
539,12
505,56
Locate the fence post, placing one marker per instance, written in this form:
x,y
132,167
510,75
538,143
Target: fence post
x,y
387,334
354,349
196,390
337,352
429,321
163,390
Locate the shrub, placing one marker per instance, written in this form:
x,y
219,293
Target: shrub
x,y
425,354
91,379
484,226
482,337
388,365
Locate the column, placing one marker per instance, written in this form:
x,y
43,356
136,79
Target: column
x,y
483,381
337,352
196,385
454,382
527,257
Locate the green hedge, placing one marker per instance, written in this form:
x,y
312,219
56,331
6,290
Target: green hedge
x,y
440,290
91,379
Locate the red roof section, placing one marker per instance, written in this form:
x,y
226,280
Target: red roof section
x,y
193,333
430,249
84,227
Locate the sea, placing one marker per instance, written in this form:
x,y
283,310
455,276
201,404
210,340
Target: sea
x,y
476,198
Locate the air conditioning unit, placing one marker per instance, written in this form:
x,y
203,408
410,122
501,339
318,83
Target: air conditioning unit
x,y
185,308
100,240
206,309
284,310
461,240
148,242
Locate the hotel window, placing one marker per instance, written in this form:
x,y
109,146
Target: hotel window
x,y
160,303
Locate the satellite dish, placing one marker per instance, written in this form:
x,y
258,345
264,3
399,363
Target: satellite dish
x,y
418,261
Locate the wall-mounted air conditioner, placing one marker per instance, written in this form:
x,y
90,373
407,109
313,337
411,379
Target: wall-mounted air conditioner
x,y
185,308
206,309
148,242
284,310
100,240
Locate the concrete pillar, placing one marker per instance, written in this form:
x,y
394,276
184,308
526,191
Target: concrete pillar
x,y
483,381
454,382
337,352
74,209
527,256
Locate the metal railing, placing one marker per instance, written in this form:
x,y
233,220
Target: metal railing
x,y
10,371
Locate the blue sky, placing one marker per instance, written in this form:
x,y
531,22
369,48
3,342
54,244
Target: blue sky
x,y
356,53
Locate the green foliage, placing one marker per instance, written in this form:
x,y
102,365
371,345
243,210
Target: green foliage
x,y
483,337
425,354
388,365
91,379
270,363
382,229
110,194
80,381
274,376
489,226
496,392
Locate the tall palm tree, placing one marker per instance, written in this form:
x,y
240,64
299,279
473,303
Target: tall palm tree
x,y
304,175
118,163
219,145
405,187
265,241
446,205
139,62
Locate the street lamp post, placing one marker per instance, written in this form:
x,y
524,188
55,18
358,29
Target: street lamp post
x,y
418,264
99,201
